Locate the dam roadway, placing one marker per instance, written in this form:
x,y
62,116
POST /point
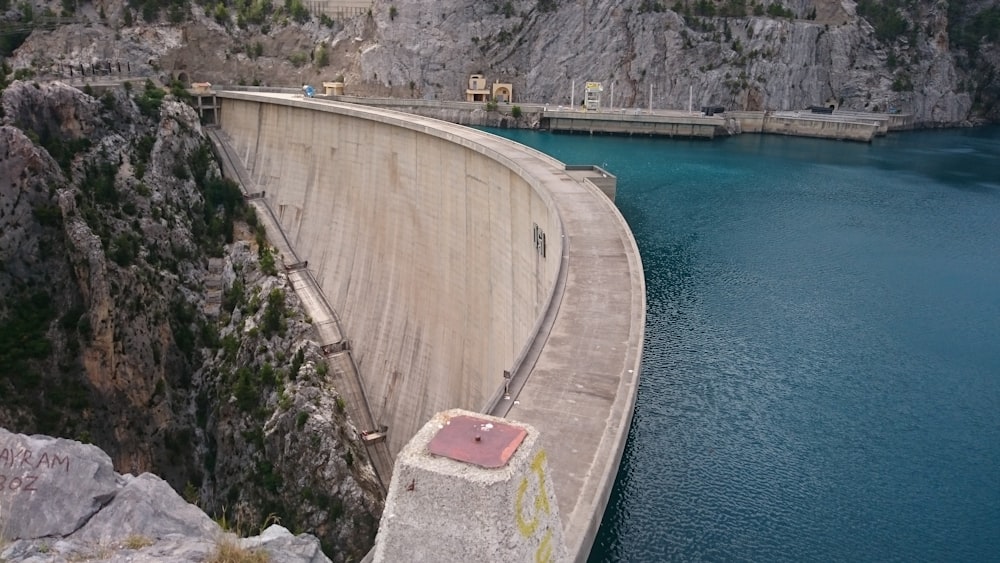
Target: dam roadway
x,y
453,257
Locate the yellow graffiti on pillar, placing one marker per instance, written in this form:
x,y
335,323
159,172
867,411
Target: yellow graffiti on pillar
x,y
544,553
526,527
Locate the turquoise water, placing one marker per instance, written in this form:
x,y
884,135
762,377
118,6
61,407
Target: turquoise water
x,y
821,377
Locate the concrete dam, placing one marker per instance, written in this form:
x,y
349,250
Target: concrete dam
x,y
466,270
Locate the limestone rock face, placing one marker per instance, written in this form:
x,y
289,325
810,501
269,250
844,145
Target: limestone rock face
x,y
136,313
52,112
26,175
749,62
820,52
62,501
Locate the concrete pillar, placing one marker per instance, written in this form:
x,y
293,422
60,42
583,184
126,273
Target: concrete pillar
x,y
333,88
471,487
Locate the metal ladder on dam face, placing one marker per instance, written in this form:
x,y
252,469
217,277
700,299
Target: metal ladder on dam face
x,y
336,348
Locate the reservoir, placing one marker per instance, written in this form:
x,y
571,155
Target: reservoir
x,y
821,374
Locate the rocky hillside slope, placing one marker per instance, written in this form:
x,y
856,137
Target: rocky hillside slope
x,y
141,309
937,59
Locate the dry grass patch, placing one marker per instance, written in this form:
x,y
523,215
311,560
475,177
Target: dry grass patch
x,y
137,541
3,532
227,551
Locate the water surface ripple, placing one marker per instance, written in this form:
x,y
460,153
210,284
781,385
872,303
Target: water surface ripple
x,y
821,377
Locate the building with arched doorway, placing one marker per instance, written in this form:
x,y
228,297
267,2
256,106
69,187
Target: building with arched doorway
x,y
503,92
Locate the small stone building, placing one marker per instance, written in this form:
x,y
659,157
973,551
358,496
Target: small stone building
x,y
478,92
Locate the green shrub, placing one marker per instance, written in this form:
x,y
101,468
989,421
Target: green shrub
x,y
233,296
886,17
274,314
297,10
267,260
182,315
23,333
902,83
547,5
178,91
967,29
221,14
293,371
704,8
267,477
267,375
230,346
246,389
150,100
125,249
48,215
321,56
298,59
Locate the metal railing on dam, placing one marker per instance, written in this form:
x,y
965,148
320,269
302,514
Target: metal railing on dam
x,y
448,254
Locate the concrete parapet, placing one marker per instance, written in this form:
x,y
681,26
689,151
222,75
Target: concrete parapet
x,y
882,120
900,121
634,122
471,487
595,175
804,124
845,125
749,121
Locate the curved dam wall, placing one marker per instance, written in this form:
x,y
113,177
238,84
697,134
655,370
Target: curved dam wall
x,y
424,244
453,256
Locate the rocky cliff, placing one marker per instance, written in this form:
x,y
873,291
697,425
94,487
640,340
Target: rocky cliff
x,y
142,310
62,501
937,59
791,55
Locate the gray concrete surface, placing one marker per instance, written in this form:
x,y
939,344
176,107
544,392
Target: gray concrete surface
x,y
447,254
331,338
635,122
440,508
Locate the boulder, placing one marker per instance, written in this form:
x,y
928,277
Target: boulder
x,y
147,506
277,540
51,486
61,501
